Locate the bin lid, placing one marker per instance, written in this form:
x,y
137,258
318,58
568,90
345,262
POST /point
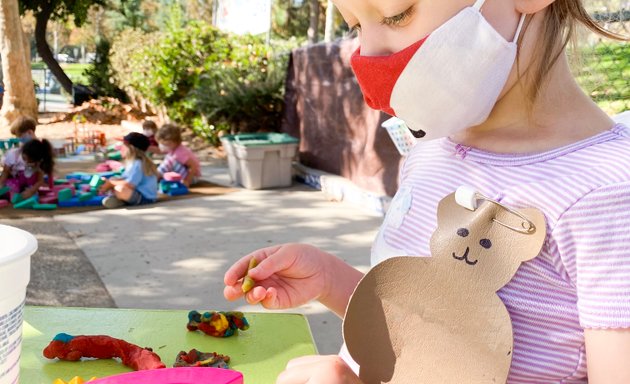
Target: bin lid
x,y
256,139
15,243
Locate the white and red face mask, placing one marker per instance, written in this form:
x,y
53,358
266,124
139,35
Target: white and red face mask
x,y
446,82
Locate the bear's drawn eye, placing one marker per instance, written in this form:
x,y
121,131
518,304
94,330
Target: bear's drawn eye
x,y
486,243
463,232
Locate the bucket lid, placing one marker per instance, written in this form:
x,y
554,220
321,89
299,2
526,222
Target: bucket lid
x,y
15,243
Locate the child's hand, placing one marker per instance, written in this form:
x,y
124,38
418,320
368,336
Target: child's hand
x,y
28,193
106,186
318,369
287,276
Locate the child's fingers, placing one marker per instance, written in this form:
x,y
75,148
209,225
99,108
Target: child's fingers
x,y
256,295
239,269
268,265
271,299
232,292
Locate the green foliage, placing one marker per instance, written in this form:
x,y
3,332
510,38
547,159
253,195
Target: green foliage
x,y
100,74
61,10
204,78
124,14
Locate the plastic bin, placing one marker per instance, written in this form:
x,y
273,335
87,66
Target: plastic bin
x,y
260,160
16,248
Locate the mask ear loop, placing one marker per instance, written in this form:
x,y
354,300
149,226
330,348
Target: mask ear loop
x,y
519,28
478,4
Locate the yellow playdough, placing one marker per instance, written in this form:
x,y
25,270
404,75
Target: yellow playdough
x,y
74,380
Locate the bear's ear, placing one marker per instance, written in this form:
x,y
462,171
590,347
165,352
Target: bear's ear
x,y
534,241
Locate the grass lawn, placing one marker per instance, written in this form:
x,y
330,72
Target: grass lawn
x,y
605,73
73,70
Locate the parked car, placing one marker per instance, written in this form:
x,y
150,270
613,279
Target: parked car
x,y
65,58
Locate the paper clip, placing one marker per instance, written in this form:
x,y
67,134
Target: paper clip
x,y
468,198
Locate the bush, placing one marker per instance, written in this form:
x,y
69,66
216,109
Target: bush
x,y
205,79
100,76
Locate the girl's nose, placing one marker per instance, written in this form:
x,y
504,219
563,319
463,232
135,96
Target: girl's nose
x,y
374,41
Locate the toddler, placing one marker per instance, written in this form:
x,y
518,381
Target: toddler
x,y
138,183
15,173
149,129
178,157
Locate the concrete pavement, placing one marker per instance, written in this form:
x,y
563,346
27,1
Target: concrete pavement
x,y
173,255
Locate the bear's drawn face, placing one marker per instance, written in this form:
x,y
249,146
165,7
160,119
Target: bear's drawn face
x,y
483,243
475,248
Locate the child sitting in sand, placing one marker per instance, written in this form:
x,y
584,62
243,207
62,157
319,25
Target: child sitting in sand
x,y
38,158
138,184
16,173
178,158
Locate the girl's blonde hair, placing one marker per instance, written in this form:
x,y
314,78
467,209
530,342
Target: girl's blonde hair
x,y
559,26
148,167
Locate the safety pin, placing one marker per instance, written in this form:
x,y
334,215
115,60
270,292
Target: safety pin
x,y
467,197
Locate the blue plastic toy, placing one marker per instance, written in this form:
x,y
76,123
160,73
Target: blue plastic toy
x,y
75,202
173,188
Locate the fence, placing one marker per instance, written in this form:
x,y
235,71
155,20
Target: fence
x,y
50,95
602,65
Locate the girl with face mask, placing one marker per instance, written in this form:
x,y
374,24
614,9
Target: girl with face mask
x,y
486,87
13,166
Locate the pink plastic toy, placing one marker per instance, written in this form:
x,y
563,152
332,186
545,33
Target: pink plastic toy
x,y
48,199
176,376
172,176
4,203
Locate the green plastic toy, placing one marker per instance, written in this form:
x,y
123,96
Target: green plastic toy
x,y
26,204
64,194
16,198
44,207
4,190
95,182
86,196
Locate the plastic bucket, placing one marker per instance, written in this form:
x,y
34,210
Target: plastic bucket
x,y
16,248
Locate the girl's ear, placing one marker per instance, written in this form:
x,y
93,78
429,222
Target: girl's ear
x,y
531,6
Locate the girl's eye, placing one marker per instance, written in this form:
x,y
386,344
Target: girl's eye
x,y
400,19
355,28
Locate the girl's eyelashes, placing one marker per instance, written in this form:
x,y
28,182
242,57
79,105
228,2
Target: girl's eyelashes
x,y
355,28
400,19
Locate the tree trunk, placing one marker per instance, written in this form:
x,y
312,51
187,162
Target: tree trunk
x,y
313,29
19,91
329,32
44,49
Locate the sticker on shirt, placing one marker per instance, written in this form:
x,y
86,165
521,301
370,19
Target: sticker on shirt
x,y
399,207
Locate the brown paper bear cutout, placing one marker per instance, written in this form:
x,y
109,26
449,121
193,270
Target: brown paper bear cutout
x,y
438,320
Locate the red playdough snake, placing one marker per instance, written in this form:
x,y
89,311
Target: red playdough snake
x,y
73,348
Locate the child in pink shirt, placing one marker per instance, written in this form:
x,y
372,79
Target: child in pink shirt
x,y
179,158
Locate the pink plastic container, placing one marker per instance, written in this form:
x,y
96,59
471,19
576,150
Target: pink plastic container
x,y
176,376
172,176
4,203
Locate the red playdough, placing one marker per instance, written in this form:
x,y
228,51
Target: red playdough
x,y
73,348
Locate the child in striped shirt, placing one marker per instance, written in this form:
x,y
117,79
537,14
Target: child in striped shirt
x,y
179,158
486,87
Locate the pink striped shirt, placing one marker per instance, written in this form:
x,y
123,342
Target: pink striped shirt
x,y
581,278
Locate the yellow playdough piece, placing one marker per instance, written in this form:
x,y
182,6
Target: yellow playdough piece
x,y
74,380
248,282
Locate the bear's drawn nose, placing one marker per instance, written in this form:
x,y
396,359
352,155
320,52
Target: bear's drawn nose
x,y
465,257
